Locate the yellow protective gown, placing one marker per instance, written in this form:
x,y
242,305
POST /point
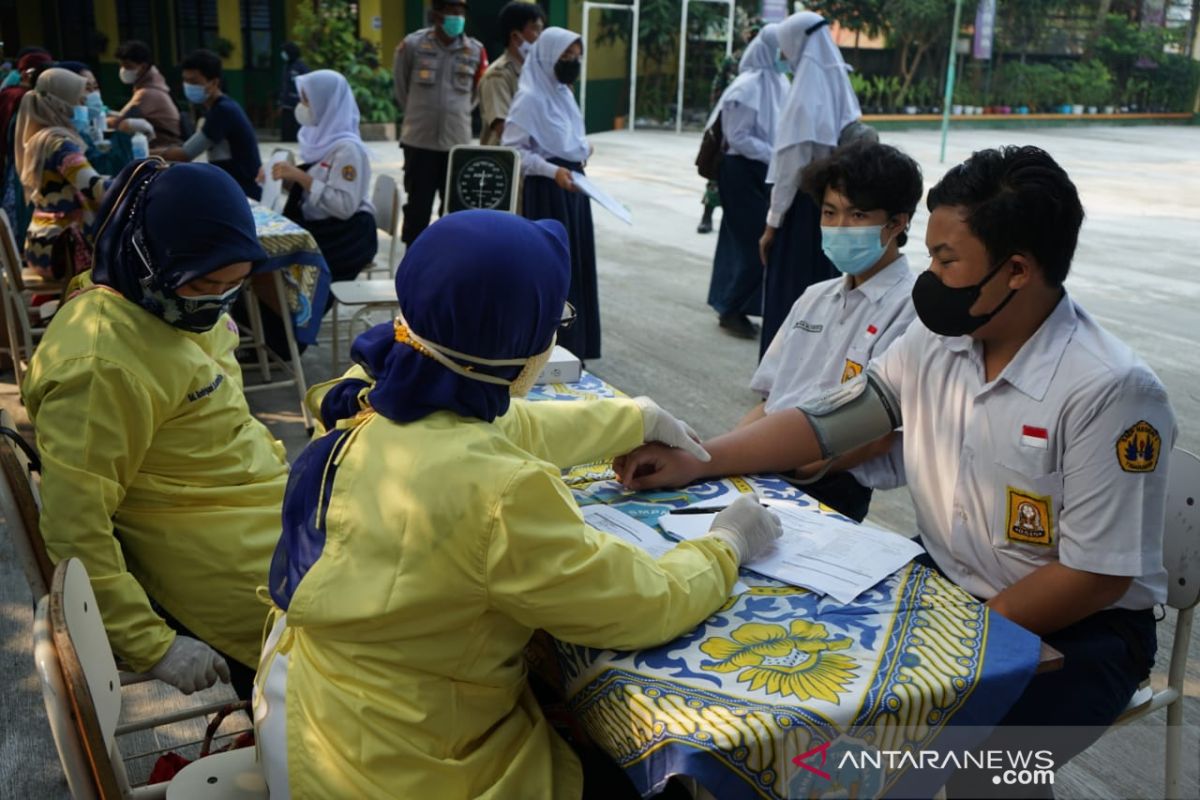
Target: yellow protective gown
x,y
448,542
155,474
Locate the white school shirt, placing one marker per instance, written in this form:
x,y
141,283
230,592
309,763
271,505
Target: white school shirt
x,y
744,136
832,332
341,179
789,163
535,159
1063,457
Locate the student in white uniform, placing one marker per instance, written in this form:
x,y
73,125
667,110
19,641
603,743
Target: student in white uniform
x,y
330,189
1035,446
545,124
867,194
820,105
748,110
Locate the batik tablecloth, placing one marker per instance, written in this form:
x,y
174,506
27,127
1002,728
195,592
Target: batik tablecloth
x,y
779,671
293,251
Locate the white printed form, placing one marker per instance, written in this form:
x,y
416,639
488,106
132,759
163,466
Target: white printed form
x,y
610,520
817,551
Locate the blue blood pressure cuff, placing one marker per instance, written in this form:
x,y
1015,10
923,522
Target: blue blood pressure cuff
x,y
855,413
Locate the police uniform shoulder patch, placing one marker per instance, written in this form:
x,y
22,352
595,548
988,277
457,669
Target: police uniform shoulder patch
x,y
1030,518
349,173
1138,448
853,370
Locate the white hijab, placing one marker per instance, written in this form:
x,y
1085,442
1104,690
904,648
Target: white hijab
x,y
334,113
821,101
545,108
758,84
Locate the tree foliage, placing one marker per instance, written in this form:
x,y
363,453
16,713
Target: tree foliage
x,y
327,34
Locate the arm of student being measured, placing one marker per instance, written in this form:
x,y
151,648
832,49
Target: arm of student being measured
x,y
775,443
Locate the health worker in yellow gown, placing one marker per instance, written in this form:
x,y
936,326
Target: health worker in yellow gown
x,y
154,472
429,533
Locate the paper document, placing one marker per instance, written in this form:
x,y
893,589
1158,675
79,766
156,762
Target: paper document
x,y
606,201
623,526
272,188
817,551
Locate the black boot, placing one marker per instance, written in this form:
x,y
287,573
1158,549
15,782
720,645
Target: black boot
x,y
739,325
705,225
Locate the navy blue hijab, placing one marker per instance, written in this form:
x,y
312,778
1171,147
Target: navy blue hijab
x,y
484,283
189,219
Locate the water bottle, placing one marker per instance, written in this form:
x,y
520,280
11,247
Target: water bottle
x,y
140,146
79,117
96,120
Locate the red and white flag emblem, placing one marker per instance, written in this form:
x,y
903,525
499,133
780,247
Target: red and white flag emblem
x,y
1035,437
872,330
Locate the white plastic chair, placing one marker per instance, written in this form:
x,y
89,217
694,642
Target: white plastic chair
x,y
82,693
388,199
367,294
1181,557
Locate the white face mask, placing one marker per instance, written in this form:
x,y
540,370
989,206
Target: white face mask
x,y
523,48
128,76
531,368
304,114
532,371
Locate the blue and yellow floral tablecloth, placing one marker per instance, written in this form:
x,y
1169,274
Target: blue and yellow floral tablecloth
x,y
293,251
779,671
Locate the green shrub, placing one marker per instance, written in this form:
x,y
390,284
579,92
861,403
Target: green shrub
x,y
328,37
1089,83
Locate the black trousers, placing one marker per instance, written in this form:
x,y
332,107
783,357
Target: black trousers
x,y
424,177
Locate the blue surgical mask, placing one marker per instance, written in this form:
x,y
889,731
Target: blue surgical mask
x,y
93,100
853,250
195,93
454,26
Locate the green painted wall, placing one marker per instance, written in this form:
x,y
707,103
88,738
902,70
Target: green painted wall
x,y
607,97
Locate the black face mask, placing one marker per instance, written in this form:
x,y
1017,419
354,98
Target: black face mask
x,y
567,71
946,310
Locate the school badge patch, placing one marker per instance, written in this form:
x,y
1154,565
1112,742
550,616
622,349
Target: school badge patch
x,y
348,173
853,369
1138,448
1029,518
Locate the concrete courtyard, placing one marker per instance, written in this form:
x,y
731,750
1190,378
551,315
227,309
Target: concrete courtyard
x,y
1134,272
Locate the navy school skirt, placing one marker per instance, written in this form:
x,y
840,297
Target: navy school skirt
x,y
543,199
737,272
795,263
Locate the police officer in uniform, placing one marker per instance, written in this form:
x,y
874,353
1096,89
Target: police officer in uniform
x,y
435,71
1035,445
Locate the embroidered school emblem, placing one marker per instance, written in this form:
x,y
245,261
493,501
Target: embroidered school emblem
x,y
853,369
348,173
1138,448
1029,518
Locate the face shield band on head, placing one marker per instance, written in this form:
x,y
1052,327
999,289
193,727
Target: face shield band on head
x,y
531,367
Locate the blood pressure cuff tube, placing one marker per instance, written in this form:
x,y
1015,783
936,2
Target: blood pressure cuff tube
x,y
857,412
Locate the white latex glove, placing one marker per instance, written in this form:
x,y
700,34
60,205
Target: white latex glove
x,y
747,527
190,665
660,426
